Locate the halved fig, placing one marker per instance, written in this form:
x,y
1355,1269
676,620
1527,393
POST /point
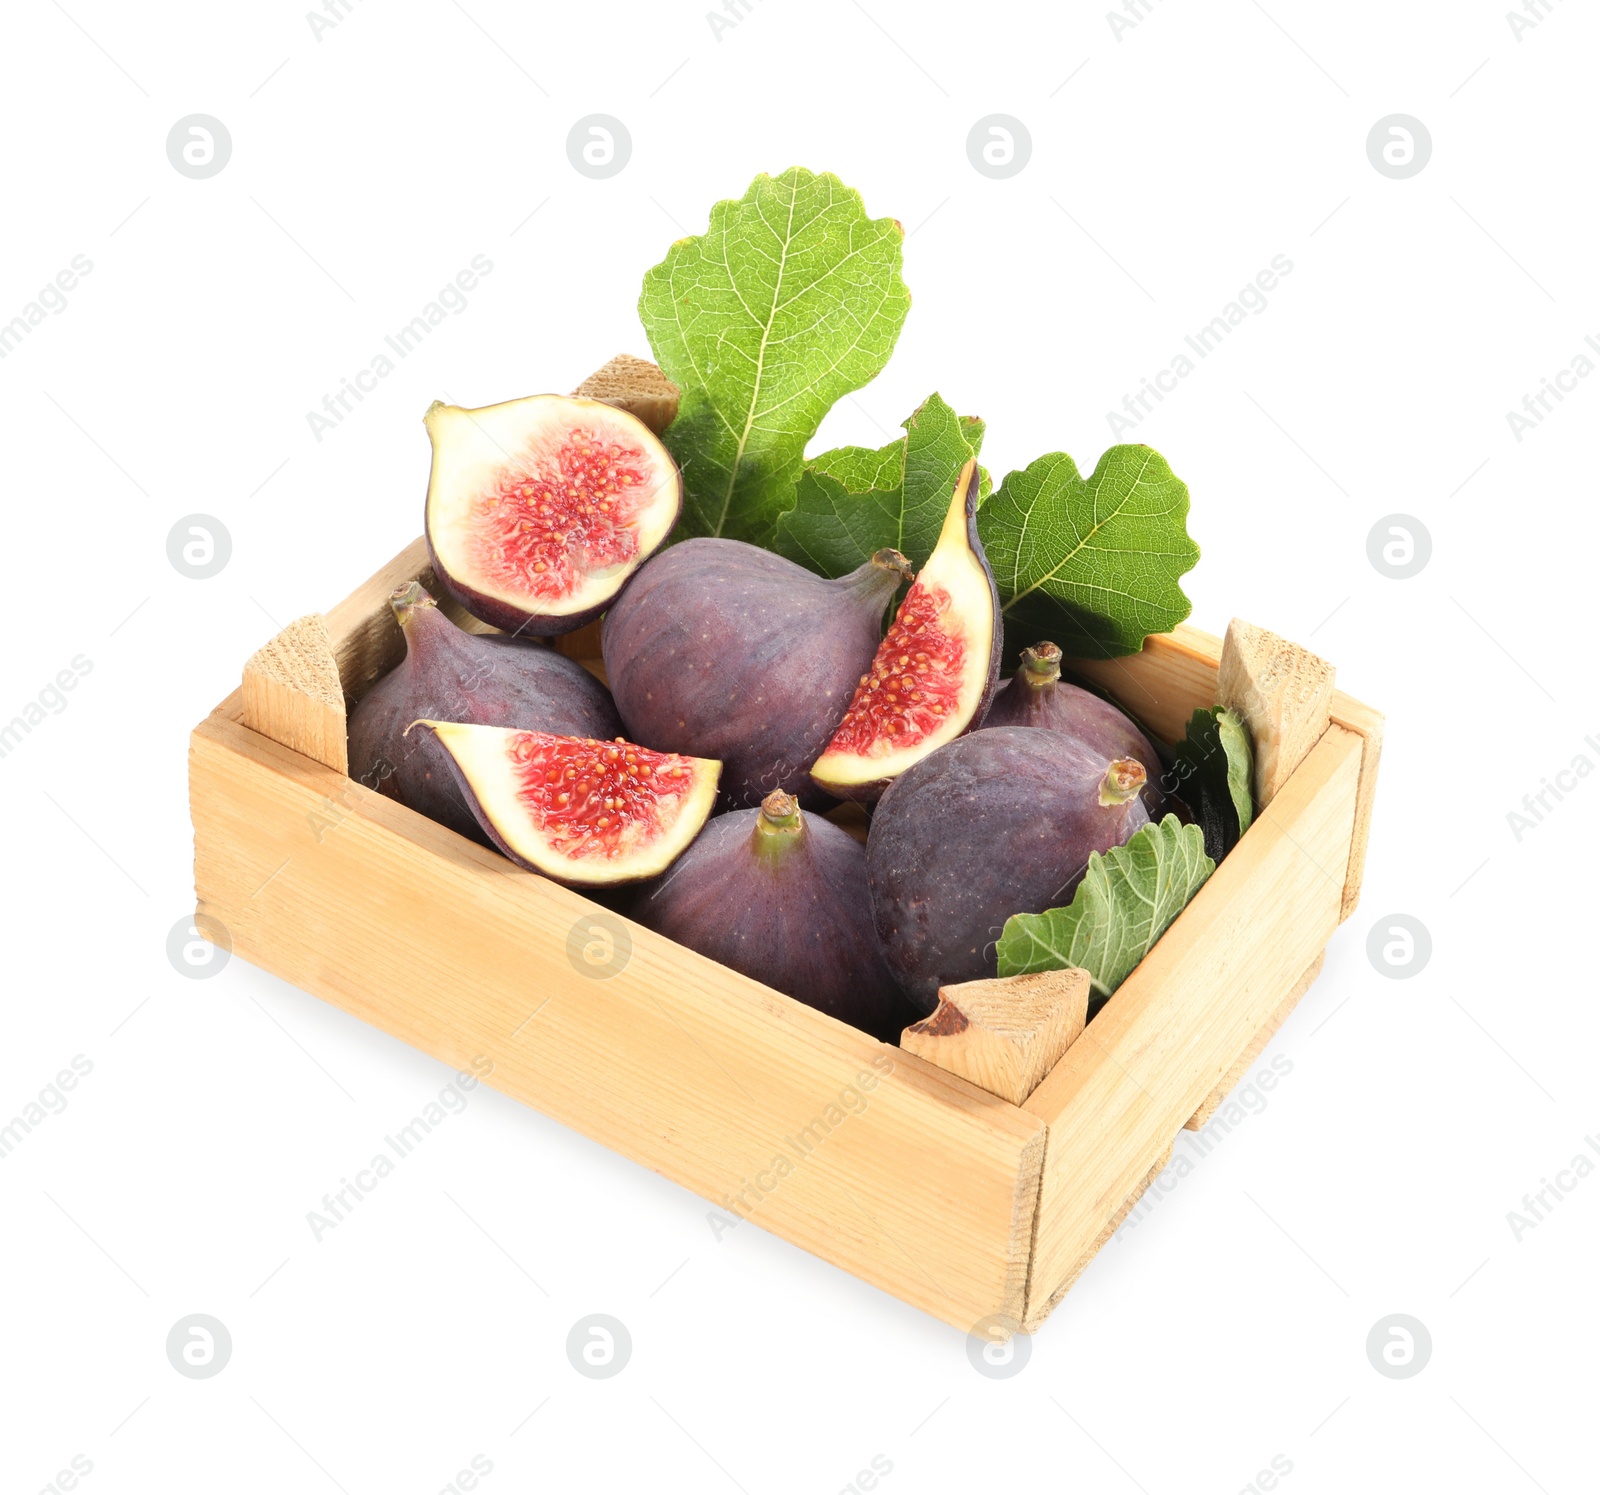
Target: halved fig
x,y
579,810
540,509
934,673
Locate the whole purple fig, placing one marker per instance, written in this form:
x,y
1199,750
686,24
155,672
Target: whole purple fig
x,y
996,823
450,675
781,897
722,650
1037,696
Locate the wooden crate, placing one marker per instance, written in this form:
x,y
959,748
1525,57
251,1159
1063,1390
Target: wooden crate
x,y
971,1205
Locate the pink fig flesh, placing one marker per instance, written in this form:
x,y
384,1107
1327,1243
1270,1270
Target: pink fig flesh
x,y
539,510
582,812
934,674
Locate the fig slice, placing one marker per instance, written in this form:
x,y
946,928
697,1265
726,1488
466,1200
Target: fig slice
x,y
579,810
935,672
540,509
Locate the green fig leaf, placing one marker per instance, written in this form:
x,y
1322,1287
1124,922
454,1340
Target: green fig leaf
x,y
854,501
1091,564
1211,774
1124,904
790,300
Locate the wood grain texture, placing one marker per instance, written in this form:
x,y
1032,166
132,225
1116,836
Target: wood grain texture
x,y
1003,1034
1038,1313
917,1181
291,692
1282,692
1254,1049
1176,1026
637,386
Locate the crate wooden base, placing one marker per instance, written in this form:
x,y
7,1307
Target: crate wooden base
x,y
964,1204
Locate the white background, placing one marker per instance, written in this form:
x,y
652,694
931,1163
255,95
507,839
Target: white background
x,y
369,167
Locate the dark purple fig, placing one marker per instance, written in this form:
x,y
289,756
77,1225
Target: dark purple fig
x,y
453,675
781,896
586,813
997,823
540,509
935,671
727,651
1037,696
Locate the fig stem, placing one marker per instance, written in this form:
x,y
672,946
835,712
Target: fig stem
x,y
1124,779
889,559
780,823
1041,665
407,598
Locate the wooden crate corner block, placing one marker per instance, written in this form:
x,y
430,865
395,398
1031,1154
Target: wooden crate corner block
x,y
1004,1035
973,1171
292,693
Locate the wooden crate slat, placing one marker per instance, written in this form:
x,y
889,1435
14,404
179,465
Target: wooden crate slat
x,y
1225,1085
927,1191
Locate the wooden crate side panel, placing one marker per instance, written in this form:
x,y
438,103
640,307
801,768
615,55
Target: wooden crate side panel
x,y
1179,1022
921,1184
1256,1047
1039,1312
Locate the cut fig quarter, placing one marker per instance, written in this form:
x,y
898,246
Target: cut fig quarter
x,y
540,509
581,811
935,672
